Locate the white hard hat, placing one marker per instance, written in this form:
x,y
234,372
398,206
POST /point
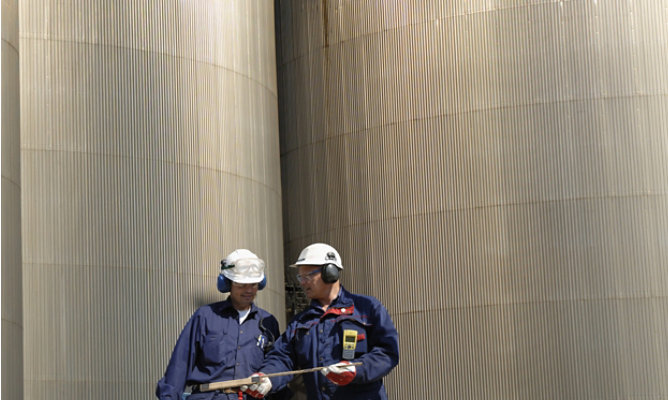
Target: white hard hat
x,y
319,254
243,266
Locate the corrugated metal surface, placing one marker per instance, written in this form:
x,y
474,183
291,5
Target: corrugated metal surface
x,y
497,174
149,151
12,313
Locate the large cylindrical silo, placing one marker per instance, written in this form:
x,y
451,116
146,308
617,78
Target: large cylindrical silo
x,y
149,151
495,173
12,314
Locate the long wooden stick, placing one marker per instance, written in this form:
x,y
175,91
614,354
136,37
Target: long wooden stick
x,y
207,387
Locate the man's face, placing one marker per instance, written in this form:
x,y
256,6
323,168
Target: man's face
x,y
311,281
242,294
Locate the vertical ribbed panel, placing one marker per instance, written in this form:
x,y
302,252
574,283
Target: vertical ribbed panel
x,y
12,313
498,176
149,151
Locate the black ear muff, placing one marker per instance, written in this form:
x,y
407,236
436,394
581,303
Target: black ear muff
x,y
330,273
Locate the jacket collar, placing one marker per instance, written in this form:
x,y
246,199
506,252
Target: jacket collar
x,y
227,308
341,305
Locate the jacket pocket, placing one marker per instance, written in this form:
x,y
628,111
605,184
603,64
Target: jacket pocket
x,y
361,337
302,342
213,350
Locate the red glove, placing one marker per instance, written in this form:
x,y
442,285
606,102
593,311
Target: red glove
x,y
260,389
341,373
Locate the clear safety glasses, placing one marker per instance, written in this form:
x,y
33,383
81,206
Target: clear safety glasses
x,y
307,277
245,270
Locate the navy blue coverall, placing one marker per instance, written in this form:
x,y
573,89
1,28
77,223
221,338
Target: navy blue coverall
x,y
214,347
314,339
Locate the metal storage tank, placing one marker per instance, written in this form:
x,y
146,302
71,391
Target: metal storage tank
x,y
496,174
149,151
12,319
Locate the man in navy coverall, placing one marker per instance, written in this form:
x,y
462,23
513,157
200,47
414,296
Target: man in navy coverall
x,y
314,338
224,340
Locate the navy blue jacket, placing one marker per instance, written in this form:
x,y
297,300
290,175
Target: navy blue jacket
x,y
214,347
314,337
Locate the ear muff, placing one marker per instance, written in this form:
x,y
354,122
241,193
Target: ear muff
x,y
223,283
330,273
262,283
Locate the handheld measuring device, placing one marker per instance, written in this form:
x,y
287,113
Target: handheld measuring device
x,y
349,344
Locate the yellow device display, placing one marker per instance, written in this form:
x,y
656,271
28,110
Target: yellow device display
x,y
349,344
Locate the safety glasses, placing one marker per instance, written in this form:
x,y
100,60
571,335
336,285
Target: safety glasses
x,y
307,277
244,270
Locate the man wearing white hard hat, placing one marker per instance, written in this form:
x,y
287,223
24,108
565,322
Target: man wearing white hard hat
x,y
225,340
338,331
